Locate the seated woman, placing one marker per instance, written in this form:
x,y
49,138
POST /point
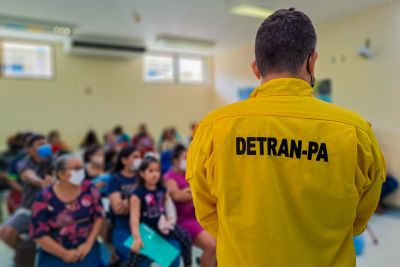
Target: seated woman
x,y
67,217
180,194
94,159
122,183
90,140
168,140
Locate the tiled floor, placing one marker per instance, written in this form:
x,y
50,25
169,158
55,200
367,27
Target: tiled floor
x,y
5,255
385,254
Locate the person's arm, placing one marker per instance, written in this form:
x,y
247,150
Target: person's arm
x,y
134,224
14,185
11,181
85,248
100,185
101,181
119,206
98,216
30,177
370,174
170,210
49,245
200,175
40,232
94,233
177,194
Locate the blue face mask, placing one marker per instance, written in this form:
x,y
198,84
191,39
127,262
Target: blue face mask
x,y
45,151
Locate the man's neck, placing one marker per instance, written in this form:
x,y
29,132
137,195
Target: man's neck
x,y
273,76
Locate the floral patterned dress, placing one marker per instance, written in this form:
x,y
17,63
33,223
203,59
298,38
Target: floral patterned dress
x,y
69,224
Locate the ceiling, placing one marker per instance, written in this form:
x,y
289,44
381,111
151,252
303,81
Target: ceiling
x,y
204,19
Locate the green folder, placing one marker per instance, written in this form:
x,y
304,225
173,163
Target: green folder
x,y
155,247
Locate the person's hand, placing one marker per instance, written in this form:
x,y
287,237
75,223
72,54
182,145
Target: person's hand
x,y
164,225
187,190
84,249
137,245
170,223
71,256
100,185
47,181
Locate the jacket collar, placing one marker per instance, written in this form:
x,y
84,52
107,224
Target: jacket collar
x,y
283,87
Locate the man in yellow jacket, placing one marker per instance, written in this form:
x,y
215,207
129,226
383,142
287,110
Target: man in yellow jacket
x,y
283,179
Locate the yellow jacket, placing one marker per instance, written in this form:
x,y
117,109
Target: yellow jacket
x,y
284,179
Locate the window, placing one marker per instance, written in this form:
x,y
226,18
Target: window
x,y
159,69
174,68
23,60
190,70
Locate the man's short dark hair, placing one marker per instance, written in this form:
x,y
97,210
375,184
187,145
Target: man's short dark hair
x,y
118,130
284,41
35,137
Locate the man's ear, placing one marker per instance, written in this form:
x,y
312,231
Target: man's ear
x,y
255,69
313,59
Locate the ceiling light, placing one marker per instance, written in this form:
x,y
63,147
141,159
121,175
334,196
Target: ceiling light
x,y
35,25
62,30
251,11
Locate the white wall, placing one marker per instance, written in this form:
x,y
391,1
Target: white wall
x,y
370,87
232,70
119,96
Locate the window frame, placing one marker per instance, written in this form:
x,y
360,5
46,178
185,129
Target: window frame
x,y
33,43
167,82
176,70
203,69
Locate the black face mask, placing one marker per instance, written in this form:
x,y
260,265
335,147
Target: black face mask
x,y
312,83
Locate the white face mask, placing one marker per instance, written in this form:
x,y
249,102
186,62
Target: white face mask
x,y
136,164
182,165
77,177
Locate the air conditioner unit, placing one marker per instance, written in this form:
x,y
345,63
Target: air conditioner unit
x,y
104,47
